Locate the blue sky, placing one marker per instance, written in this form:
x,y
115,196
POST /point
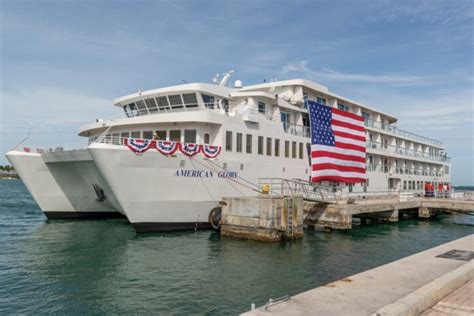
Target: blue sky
x,y
62,62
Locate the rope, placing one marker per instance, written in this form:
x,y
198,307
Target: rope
x,y
229,179
212,162
203,182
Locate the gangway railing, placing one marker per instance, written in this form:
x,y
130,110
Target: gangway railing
x,y
309,191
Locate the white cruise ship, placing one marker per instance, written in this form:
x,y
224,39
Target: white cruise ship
x,y
179,150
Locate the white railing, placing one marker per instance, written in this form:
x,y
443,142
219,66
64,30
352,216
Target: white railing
x,y
400,132
51,148
405,152
309,191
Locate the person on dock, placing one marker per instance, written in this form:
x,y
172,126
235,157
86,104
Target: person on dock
x,y
440,190
427,189
431,189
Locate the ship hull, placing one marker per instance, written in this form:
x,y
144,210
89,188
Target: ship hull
x,y
62,184
163,193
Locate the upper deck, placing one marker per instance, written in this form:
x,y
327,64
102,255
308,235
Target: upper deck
x,y
279,101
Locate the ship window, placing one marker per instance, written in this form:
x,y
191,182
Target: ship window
x,y
446,169
123,136
190,136
228,141
125,108
162,103
366,117
208,101
132,109
190,100
141,107
293,149
261,107
239,143
151,104
135,134
161,135
175,135
300,151
249,144
287,149
321,100
148,134
260,145
277,147
116,138
343,107
175,101
269,146
207,138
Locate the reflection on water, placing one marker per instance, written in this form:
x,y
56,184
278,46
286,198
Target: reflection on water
x,y
96,267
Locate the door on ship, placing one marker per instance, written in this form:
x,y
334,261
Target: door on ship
x,y
393,184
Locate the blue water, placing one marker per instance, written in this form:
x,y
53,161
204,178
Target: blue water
x,y
103,267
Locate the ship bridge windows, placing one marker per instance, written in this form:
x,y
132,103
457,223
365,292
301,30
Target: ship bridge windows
x,y
261,107
163,103
151,105
141,107
190,100
175,101
208,101
132,110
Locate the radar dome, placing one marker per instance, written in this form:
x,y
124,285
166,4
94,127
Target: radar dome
x,y
238,84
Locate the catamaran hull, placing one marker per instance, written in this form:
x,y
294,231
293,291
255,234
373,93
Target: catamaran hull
x,y
62,184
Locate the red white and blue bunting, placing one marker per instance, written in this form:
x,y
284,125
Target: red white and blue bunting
x,y
139,146
211,151
190,149
166,147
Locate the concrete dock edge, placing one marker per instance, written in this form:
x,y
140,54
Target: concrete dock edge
x,y
428,295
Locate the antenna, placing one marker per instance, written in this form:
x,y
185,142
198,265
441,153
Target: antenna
x,y
226,77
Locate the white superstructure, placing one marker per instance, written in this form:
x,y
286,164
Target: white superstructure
x,y
263,131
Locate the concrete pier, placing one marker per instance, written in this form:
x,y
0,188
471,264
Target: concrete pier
x,y
264,217
407,286
339,215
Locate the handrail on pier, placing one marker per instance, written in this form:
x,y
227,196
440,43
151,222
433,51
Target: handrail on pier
x,y
309,191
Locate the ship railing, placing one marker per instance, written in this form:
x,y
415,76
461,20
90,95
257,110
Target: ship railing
x,y
51,148
406,152
400,170
295,129
398,131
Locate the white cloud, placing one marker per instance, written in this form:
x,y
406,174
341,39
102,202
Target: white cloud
x,y
301,67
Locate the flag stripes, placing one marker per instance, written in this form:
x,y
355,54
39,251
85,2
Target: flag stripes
x,y
338,148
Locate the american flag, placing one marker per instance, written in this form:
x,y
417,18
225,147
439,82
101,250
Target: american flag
x,y
337,144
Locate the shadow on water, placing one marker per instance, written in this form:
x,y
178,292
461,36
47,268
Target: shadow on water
x,y
97,267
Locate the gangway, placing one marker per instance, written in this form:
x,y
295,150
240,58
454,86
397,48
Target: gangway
x,y
310,191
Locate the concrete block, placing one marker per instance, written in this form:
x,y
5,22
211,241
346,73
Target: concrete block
x,y
265,218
